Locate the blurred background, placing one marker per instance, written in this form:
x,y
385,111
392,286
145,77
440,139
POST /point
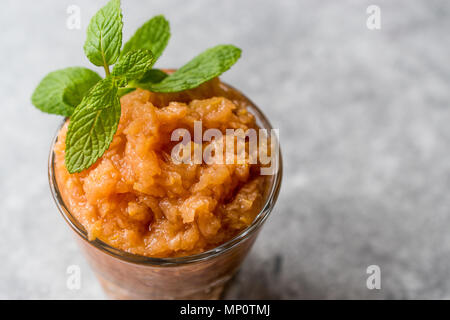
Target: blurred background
x,y
364,127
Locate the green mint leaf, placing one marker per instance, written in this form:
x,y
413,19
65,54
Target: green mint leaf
x,y
153,35
62,90
92,126
134,64
204,67
104,35
123,91
153,76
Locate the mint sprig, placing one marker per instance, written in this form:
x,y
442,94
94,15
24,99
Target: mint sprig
x,y
92,103
134,64
151,76
104,36
62,90
92,126
153,35
204,67
94,121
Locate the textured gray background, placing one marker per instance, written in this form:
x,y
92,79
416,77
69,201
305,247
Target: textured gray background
x,y
364,120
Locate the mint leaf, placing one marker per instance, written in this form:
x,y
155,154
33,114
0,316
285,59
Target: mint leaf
x,y
62,90
134,64
153,76
123,91
92,126
204,67
104,35
153,35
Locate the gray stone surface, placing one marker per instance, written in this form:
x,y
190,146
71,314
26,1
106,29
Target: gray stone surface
x,y
364,121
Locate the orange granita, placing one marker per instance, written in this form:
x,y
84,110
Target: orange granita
x,y
137,199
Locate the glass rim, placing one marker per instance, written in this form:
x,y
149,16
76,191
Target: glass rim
x,y
260,218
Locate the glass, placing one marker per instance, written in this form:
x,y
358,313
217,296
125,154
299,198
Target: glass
x,y
202,276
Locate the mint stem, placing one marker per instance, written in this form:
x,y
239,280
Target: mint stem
x,y
106,67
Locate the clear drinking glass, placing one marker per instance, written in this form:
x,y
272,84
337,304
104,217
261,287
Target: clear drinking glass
x,y
202,276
